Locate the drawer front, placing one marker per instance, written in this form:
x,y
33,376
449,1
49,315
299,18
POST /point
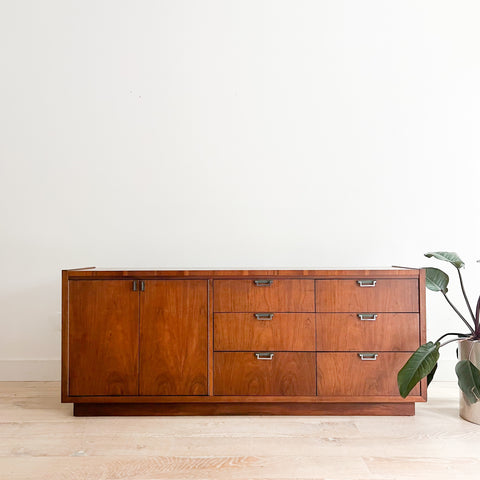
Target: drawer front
x,y
346,374
242,373
368,331
367,295
264,331
264,295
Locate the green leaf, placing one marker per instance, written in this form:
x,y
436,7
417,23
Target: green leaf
x,y
468,380
436,280
431,375
450,257
418,366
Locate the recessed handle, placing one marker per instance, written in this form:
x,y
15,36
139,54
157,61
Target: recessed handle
x,y
264,316
368,356
264,356
371,317
263,283
366,283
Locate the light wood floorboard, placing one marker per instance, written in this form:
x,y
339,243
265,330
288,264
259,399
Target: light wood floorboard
x,y
40,439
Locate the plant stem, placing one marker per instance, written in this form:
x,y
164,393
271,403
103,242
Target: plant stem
x,y
450,341
466,298
457,312
459,335
477,317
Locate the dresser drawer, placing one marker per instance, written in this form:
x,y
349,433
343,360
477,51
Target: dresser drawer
x,y
367,295
346,374
368,331
242,373
264,295
264,331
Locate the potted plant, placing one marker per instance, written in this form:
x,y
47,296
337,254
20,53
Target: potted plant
x,y
423,363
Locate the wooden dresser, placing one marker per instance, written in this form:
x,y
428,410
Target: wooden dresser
x,y
300,342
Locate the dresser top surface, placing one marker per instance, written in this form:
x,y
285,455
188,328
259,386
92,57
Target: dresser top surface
x,y
240,273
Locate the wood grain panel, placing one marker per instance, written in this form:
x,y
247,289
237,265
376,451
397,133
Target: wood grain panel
x,y
121,409
174,337
245,398
423,325
281,296
345,331
210,337
285,331
65,337
241,373
388,295
346,374
103,337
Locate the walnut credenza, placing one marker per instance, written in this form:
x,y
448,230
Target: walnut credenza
x,y
301,342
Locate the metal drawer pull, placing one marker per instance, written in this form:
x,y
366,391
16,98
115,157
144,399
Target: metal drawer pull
x,y
263,283
264,316
367,316
367,283
264,356
135,283
368,356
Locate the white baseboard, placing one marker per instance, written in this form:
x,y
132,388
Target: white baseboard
x,y
29,370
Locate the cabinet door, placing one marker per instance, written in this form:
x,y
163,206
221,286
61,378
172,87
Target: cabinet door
x,y
173,337
103,337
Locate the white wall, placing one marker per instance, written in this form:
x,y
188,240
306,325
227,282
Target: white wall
x,y
221,133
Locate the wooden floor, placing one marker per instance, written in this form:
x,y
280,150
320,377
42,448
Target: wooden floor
x,y
41,440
